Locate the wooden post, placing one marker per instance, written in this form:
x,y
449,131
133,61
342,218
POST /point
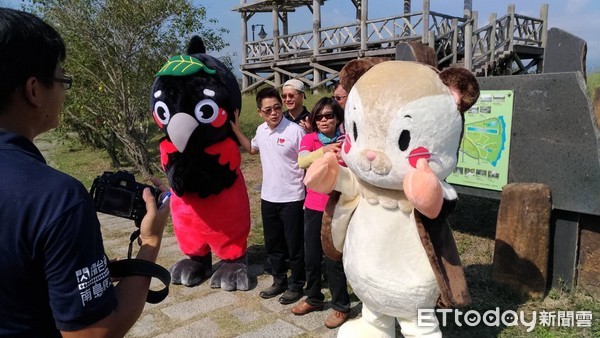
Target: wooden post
x,y
364,16
454,41
358,5
522,247
406,27
492,38
245,78
275,21
425,22
544,17
316,37
544,37
431,39
511,26
588,262
468,36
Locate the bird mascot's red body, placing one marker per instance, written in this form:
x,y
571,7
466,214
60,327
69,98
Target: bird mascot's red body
x,y
193,100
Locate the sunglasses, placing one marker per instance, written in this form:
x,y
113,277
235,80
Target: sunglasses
x,y
338,97
269,110
289,96
327,116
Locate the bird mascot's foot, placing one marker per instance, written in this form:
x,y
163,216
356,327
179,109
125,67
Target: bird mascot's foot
x,y
192,271
232,275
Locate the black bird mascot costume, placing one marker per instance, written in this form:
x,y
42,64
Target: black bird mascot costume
x,y
193,100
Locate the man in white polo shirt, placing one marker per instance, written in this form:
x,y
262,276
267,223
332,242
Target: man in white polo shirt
x,y
277,140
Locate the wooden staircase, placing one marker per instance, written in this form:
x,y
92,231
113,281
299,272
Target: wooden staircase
x,y
498,48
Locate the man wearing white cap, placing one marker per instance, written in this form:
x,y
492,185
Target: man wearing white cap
x,y
293,98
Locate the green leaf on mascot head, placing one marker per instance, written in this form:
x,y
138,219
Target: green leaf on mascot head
x,y
182,65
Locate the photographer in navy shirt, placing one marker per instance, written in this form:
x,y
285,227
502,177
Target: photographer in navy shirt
x,y
55,280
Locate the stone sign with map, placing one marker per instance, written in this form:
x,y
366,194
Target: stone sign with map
x,y
484,149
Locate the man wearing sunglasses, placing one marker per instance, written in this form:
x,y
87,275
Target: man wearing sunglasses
x,y
293,97
282,193
55,281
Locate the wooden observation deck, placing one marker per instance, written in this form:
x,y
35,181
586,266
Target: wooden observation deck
x,y
315,56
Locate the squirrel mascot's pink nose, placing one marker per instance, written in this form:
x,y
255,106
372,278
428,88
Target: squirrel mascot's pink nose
x,y
371,155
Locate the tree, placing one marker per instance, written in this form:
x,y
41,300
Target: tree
x,y
114,48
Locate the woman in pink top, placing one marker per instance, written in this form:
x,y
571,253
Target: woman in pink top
x,y
326,117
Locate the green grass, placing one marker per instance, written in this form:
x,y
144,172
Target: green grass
x,y
593,82
79,161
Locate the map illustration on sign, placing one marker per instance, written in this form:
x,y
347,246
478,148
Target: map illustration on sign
x,y
484,149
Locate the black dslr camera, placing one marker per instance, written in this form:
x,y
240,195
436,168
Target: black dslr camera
x,y
120,195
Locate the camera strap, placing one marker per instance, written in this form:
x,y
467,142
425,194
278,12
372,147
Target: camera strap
x,y
140,267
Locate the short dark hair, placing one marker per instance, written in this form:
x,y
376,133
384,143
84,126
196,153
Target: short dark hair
x,y
337,84
266,93
28,47
323,102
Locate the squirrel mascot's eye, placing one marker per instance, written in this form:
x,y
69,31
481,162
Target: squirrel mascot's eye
x,y
206,111
161,112
404,140
354,130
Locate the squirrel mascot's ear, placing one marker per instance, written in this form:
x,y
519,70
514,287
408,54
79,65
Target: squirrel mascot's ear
x,y
463,85
196,46
354,69
418,52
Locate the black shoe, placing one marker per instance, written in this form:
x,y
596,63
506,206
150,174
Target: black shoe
x,y
272,291
290,297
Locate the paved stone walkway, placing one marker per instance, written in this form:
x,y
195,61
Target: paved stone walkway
x,y
204,312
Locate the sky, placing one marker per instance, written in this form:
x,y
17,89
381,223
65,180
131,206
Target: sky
x,y
578,17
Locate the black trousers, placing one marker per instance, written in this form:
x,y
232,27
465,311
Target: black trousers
x,y
283,226
313,253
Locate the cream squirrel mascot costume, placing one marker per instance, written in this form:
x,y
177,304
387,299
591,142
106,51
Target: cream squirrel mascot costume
x,y
404,124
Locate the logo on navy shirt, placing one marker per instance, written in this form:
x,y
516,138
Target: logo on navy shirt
x,y
92,281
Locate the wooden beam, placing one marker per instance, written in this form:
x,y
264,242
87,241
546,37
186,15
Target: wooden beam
x,y
364,16
260,81
323,68
316,35
275,22
425,23
544,17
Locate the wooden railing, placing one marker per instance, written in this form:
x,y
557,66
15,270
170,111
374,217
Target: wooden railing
x,y
448,33
501,35
383,31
